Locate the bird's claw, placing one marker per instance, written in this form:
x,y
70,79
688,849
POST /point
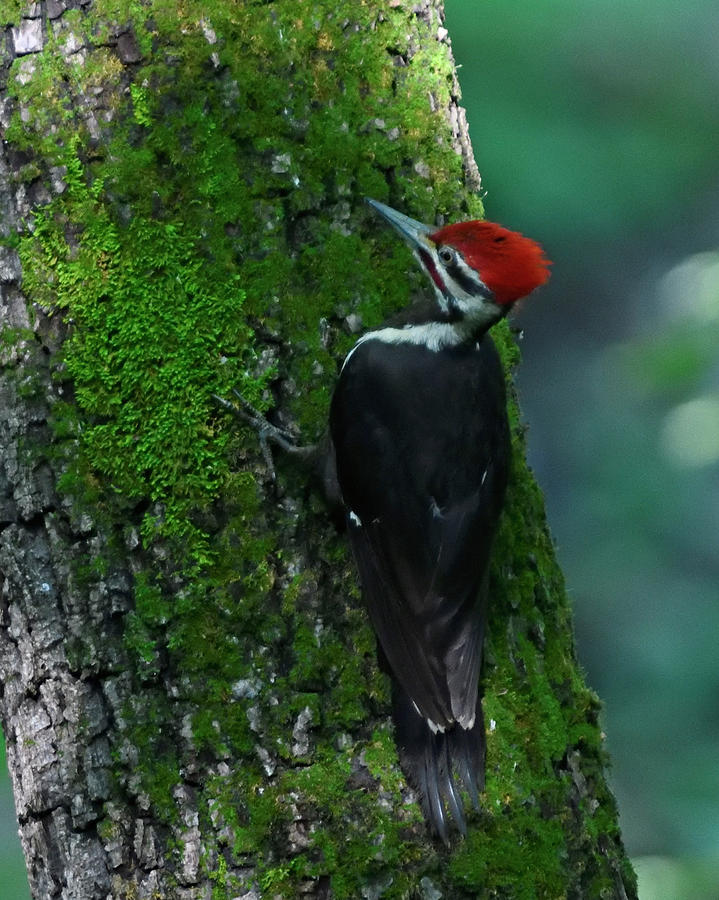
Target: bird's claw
x,y
266,431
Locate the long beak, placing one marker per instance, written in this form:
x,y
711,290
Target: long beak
x,y
414,233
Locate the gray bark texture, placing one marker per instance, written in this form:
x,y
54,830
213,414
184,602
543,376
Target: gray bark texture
x,y
188,684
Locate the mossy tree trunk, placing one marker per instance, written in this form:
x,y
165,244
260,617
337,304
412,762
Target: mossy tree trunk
x,y
190,695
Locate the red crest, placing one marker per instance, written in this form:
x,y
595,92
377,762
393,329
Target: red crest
x,y
510,264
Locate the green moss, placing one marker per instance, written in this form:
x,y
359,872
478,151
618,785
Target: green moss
x,y
12,11
354,825
521,855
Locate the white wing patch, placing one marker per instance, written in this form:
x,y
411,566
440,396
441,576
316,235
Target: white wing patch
x,y
467,722
434,727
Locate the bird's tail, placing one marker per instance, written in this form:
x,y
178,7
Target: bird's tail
x,y
439,764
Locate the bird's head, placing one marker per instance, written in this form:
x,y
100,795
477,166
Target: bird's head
x,y
478,269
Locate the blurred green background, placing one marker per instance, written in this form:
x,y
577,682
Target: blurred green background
x,y
596,128
13,879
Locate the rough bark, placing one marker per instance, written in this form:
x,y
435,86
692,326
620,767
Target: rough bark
x,y
190,695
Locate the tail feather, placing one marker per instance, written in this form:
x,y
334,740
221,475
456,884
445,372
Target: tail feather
x,y
433,760
454,800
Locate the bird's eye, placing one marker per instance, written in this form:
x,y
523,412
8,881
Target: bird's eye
x,y
446,255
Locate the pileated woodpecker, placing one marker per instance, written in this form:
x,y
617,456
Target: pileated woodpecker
x,y
420,431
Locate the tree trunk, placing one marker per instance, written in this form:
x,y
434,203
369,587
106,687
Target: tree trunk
x,y
190,694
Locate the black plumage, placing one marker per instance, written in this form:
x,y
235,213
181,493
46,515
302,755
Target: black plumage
x,y
422,449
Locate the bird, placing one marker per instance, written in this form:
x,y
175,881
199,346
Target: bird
x,y
421,442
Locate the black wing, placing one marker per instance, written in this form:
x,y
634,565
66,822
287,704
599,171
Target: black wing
x,y
422,452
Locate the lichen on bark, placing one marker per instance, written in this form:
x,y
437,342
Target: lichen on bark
x,y
190,693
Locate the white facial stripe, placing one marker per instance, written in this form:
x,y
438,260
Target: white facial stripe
x,y
470,275
472,300
436,273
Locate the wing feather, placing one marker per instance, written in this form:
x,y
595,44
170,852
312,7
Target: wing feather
x,y
430,628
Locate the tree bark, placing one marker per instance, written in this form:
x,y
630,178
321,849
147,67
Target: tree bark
x,y
190,694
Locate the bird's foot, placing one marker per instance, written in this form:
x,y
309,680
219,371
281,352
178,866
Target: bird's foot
x,y
267,432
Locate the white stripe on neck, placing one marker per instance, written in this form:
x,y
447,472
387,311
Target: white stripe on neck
x,y
432,335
